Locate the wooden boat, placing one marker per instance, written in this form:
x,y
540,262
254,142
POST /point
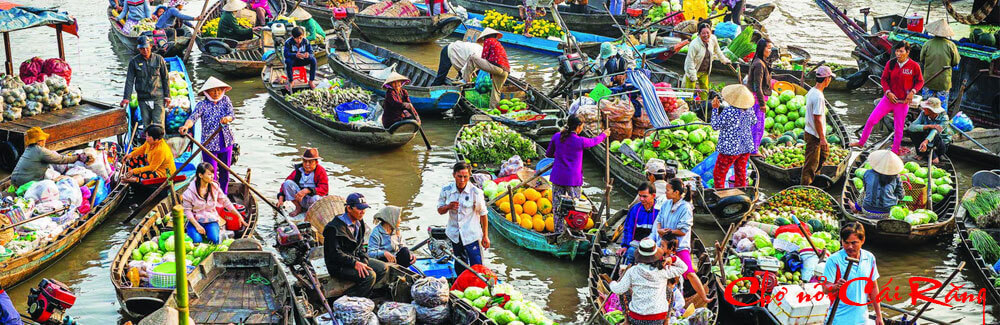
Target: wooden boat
x,y
897,232
367,65
843,82
792,176
538,44
980,266
541,130
138,301
366,135
177,48
242,286
962,148
406,30
603,266
594,20
18,268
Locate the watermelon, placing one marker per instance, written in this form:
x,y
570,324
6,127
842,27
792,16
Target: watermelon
x,y
792,115
781,109
784,139
789,125
769,122
815,224
832,138
773,102
766,141
780,120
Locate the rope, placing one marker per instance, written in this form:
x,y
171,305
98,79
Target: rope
x,y
976,17
258,279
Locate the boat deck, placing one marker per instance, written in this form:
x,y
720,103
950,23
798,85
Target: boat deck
x,y
70,126
229,299
359,61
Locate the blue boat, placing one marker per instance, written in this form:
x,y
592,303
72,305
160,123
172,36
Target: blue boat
x,y
367,65
536,44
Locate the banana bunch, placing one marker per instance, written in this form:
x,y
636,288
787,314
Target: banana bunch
x,y
328,99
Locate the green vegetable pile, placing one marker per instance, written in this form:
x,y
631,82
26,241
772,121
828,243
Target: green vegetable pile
x,y
985,244
687,145
915,217
161,249
780,216
493,143
514,312
741,45
323,102
984,207
790,156
940,179
615,317
787,112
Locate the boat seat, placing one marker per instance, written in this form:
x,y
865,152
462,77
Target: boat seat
x,y
359,61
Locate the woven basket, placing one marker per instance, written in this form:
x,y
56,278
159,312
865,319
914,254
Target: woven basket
x,y
324,210
919,194
7,235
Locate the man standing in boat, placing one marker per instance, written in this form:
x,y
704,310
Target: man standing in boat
x,y
817,148
457,54
468,226
939,54
147,76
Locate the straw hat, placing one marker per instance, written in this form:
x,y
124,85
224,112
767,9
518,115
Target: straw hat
x,y
607,50
393,77
234,5
885,162
300,14
647,252
487,32
213,83
33,135
940,29
933,104
738,96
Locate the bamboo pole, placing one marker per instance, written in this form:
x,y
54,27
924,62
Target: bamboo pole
x,y
182,290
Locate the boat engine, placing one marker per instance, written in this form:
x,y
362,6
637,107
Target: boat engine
x,y
439,244
293,242
342,21
764,269
574,211
570,64
47,304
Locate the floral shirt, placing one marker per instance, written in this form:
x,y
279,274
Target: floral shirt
x,y
495,53
734,125
211,114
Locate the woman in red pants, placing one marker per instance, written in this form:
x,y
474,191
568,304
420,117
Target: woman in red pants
x,y
734,123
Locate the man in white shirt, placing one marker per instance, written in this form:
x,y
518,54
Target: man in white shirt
x,y
817,148
468,225
457,54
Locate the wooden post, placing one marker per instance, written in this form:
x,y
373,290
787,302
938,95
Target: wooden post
x,y
10,60
177,212
59,41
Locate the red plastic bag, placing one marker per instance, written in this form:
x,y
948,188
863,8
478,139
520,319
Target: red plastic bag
x,y
233,221
57,66
469,279
31,71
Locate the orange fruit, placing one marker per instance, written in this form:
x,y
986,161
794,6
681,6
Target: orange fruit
x,y
526,222
502,199
519,198
530,207
538,222
505,207
532,195
509,217
590,223
518,209
547,194
550,224
544,205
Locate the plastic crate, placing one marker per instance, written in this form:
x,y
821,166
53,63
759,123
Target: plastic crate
x,y
165,280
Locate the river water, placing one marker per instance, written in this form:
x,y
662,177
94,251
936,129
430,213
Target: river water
x,y
411,176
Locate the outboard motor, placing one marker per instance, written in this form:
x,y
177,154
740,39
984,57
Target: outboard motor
x,y
342,20
570,64
576,212
292,242
47,304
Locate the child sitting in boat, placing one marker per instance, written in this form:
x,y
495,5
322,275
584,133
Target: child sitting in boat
x,y
385,242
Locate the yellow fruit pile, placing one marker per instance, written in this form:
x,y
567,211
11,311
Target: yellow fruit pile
x,y
211,28
531,209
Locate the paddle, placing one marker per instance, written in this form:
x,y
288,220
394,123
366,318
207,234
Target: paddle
x,y
422,136
174,174
194,33
971,139
31,219
836,301
936,293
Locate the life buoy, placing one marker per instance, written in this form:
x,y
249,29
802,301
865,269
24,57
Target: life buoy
x,y
9,155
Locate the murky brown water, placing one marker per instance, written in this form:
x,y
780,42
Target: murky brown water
x,y
411,176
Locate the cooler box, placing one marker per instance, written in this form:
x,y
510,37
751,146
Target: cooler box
x,y
915,23
791,311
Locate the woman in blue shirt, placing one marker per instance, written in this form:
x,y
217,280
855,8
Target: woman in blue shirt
x,y
734,124
215,111
385,242
883,188
675,218
133,11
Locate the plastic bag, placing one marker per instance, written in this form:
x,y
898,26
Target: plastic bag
x,y
617,109
962,122
397,313
745,245
31,70
432,315
69,192
57,67
620,130
430,291
45,193
747,232
511,166
580,102
726,30
484,83
353,310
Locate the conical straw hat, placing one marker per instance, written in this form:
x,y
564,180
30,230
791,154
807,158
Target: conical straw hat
x,y
395,76
234,5
940,29
885,162
300,14
213,83
738,96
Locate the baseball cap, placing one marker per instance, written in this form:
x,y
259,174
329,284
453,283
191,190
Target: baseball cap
x,y
357,201
825,71
142,43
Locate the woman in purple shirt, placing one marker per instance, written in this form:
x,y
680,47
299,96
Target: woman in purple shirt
x,y
566,148
215,111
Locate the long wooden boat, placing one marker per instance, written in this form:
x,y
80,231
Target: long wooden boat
x,y
594,21
367,136
21,267
541,130
981,267
222,289
538,44
180,41
405,30
962,148
791,176
841,83
898,232
138,301
367,65
603,266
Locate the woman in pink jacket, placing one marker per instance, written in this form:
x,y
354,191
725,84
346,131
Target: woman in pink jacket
x,y
201,202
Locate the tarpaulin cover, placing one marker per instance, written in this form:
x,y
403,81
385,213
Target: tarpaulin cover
x,y
970,50
14,17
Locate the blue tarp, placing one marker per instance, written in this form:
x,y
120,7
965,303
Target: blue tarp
x,y
22,17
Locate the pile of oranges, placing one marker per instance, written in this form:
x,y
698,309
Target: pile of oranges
x,y
529,208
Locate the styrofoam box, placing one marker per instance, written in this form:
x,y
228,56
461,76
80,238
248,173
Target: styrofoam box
x,y
791,311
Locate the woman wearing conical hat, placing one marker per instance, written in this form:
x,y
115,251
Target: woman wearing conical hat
x,y
215,111
883,188
396,106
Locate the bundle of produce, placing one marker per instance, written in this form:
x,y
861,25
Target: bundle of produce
x,y
161,249
790,155
687,145
211,28
15,98
530,208
178,85
619,112
143,25
984,207
915,217
493,143
985,244
741,45
940,179
390,8
516,311
663,9
430,299
72,97
324,102
514,109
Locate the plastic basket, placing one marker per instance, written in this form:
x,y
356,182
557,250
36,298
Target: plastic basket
x,y
165,280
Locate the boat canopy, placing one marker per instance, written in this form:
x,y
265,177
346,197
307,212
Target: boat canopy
x,y
16,17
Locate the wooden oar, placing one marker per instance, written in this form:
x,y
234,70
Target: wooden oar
x,y
420,128
836,301
171,177
194,33
32,219
972,139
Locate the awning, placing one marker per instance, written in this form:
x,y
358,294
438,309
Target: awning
x,y
16,17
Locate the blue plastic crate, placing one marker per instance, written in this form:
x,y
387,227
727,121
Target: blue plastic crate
x,y
430,267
